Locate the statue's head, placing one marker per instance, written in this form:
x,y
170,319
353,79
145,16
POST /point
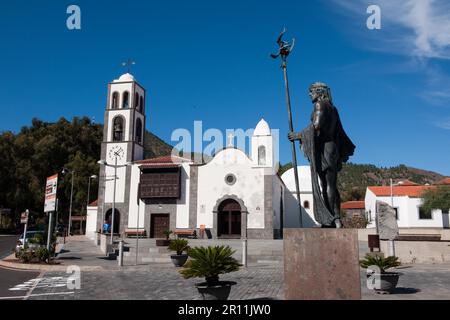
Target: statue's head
x,y
319,91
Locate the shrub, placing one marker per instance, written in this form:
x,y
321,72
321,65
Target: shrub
x,y
179,245
210,262
167,233
42,254
380,262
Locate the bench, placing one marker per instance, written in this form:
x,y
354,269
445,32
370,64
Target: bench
x,y
135,232
186,233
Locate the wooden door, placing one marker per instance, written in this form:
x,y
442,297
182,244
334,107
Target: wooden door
x,y
159,224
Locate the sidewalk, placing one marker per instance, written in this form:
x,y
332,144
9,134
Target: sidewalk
x,y
78,250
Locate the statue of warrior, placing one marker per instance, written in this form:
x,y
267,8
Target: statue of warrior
x,y
326,145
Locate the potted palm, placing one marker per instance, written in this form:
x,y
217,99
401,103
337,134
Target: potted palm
x,y
209,262
382,280
179,246
164,242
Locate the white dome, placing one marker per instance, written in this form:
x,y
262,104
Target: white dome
x,y
262,129
125,78
304,173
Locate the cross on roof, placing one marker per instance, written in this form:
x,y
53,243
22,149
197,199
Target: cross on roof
x,y
128,64
230,140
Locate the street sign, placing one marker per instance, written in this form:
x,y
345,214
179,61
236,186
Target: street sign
x,y
24,217
50,193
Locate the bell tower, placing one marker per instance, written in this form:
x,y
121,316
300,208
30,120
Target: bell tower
x,y
123,142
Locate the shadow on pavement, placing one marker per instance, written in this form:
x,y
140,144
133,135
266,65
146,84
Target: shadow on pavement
x,y
401,290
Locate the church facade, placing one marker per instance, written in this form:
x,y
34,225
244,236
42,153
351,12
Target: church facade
x,y
234,195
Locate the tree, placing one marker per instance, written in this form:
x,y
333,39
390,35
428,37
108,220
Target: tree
x,y
437,198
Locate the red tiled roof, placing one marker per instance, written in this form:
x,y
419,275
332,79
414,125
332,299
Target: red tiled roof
x,y
93,203
166,162
414,191
445,181
407,183
353,205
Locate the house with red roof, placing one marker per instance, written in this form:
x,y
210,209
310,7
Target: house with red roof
x,y
406,198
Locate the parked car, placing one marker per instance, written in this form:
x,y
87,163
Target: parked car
x,y
30,234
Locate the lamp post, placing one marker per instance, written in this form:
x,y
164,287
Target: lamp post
x,y
72,172
115,166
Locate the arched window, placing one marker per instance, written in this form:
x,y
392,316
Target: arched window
x,y
126,100
306,204
115,100
118,128
138,131
136,100
261,155
141,105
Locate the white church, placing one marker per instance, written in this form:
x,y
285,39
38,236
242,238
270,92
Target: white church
x,y
234,195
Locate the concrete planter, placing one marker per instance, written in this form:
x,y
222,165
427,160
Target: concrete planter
x,y
179,259
162,242
385,282
221,291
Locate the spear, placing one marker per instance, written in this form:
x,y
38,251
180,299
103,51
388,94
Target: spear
x,y
285,48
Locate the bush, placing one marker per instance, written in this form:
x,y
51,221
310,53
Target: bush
x,y
380,262
26,255
167,233
179,245
209,263
42,254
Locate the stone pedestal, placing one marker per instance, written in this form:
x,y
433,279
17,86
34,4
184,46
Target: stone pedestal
x,y
321,264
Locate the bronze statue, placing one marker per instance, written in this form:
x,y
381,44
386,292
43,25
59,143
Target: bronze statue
x,y
326,145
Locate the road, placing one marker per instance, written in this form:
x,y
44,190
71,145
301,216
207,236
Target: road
x,y
7,244
10,278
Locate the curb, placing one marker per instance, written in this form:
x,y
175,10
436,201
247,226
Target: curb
x,y
43,267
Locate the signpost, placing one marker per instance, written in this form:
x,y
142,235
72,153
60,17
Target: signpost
x,y
24,219
50,203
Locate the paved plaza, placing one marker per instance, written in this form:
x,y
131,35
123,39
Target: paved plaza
x,y
163,282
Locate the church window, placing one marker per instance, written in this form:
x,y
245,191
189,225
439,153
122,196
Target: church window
x,y
261,155
138,131
230,179
141,105
306,204
136,100
115,100
125,100
118,129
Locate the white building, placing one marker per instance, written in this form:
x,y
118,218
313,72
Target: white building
x,y
234,195
406,199
306,197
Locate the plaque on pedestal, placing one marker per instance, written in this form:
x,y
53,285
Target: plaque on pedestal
x,y
321,264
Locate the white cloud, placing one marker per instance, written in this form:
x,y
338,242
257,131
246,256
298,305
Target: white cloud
x,y
443,124
419,28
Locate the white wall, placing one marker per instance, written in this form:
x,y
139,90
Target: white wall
x,y
91,222
249,186
292,219
135,207
183,203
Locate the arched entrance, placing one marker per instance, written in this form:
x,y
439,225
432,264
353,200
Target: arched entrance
x,y
229,219
108,219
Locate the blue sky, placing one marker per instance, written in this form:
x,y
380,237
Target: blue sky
x,y
209,61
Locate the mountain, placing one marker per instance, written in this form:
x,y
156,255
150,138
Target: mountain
x,y
155,147
354,178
